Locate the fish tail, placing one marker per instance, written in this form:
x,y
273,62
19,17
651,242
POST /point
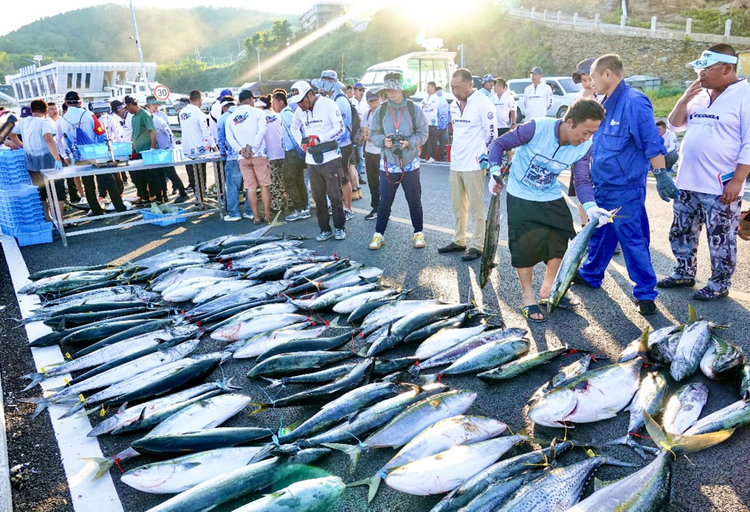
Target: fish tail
x,y
678,444
353,451
104,464
41,404
261,406
373,483
692,315
273,382
73,410
276,221
35,379
643,344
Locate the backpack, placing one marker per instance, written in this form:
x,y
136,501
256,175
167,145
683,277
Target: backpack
x,y
81,138
356,124
412,113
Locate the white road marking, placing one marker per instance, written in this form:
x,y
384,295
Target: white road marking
x,y
70,433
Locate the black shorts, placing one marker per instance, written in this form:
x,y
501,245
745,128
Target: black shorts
x,y
572,185
538,231
346,155
38,180
502,131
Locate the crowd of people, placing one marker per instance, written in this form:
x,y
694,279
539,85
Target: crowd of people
x,y
317,144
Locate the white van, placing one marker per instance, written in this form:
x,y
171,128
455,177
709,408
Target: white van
x,y
564,92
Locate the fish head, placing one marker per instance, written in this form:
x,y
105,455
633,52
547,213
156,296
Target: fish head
x,y
552,409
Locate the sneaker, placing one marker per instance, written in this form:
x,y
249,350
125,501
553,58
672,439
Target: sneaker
x,y
304,214
472,254
361,180
618,249
707,294
110,207
127,204
83,201
230,218
451,247
295,215
340,234
646,307
348,214
372,215
181,198
577,279
418,240
323,236
676,282
377,242
248,216
431,160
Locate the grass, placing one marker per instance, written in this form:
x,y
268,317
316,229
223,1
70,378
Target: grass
x,y
663,105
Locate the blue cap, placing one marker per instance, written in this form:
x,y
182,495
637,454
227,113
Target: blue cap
x,y
25,111
488,78
359,85
225,92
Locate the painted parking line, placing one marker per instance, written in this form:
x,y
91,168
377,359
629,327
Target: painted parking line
x,y
70,433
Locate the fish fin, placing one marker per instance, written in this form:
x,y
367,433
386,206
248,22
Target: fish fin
x,y
274,382
353,451
429,378
190,465
643,344
226,384
601,484
261,406
73,410
104,464
679,444
35,378
374,485
41,404
692,315
123,407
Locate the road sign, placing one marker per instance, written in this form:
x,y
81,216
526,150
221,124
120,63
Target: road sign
x,y
161,92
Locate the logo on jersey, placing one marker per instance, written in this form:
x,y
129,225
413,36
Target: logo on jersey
x,y
490,115
338,113
704,116
240,119
184,116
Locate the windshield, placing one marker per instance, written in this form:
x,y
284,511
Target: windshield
x,y
569,85
518,87
375,77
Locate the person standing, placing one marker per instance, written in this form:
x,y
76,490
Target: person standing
x,y
165,140
293,170
430,108
582,75
274,145
714,113
505,107
246,131
232,174
670,142
626,146
75,186
144,139
323,125
398,127
473,118
372,156
196,141
537,97
488,83
443,124
539,220
360,104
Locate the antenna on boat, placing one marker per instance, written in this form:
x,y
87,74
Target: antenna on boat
x,y
140,53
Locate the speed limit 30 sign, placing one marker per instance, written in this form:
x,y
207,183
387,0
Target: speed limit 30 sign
x,y
161,92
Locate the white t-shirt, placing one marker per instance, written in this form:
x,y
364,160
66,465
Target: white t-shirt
x,y
126,127
32,130
717,138
430,108
111,123
537,101
504,105
324,120
473,131
214,114
366,121
670,141
598,97
361,106
196,140
164,135
274,144
247,126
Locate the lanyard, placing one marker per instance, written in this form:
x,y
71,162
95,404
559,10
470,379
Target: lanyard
x,y
393,118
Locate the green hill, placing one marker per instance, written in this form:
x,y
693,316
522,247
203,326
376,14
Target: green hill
x,y
103,33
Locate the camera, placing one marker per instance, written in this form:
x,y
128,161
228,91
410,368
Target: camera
x,y
100,107
396,138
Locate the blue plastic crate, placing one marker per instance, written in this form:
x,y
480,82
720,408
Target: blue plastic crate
x,y
168,218
11,157
122,149
93,151
8,180
37,234
158,156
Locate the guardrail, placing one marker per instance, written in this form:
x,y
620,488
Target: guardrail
x,y
566,21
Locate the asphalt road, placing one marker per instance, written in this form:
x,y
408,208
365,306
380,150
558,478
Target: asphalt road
x,y
715,479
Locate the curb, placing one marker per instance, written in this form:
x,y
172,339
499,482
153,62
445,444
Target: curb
x,y
6,498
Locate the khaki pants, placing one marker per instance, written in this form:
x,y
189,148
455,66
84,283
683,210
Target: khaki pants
x,y
467,194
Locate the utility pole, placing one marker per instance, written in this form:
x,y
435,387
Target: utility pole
x,y
258,50
144,75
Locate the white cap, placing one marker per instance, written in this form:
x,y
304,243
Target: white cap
x,y
298,91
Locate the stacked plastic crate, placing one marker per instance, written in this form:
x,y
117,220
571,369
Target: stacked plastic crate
x,y
21,212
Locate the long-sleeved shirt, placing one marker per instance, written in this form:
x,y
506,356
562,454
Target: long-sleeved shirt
x,y
473,131
537,100
196,139
444,114
504,105
287,115
397,118
540,159
247,127
164,135
91,129
221,133
273,139
112,125
345,107
324,121
430,108
717,138
625,141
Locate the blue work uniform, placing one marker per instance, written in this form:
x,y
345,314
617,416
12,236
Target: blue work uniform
x,y
625,142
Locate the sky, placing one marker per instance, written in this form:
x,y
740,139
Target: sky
x,y
16,14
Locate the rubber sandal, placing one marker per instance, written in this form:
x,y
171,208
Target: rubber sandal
x,y
565,303
533,309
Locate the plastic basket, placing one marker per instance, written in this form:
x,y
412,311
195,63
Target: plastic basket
x,y
166,218
11,179
36,234
158,156
10,157
93,151
122,149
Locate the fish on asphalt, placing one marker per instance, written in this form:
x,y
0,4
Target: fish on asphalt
x,y
329,299
744,380
177,475
497,493
253,326
326,375
391,311
720,358
565,374
127,329
239,482
491,237
69,281
730,417
363,310
410,422
684,408
180,274
694,342
243,299
348,305
444,434
452,354
311,495
52,272
285,364
305,345
489,355
265,341
656,337
443,472
523,364
198,441
446,338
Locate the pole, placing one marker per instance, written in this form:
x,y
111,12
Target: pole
x,y
258,50
138,44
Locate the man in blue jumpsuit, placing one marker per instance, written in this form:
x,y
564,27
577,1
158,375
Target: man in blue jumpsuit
x,y
625,147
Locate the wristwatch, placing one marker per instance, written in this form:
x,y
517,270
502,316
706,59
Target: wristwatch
x,y
659,171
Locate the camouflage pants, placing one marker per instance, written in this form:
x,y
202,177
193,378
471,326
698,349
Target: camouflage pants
x,y
279,198
691,211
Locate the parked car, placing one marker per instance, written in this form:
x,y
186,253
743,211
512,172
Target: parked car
x,y
564,92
